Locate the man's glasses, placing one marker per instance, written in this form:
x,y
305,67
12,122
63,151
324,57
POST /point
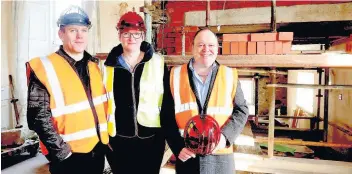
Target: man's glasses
x,y
135,35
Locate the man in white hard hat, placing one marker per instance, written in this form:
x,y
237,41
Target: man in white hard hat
x,y
67,103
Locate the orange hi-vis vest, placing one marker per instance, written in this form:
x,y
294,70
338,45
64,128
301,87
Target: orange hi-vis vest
x,y
220,104
71,110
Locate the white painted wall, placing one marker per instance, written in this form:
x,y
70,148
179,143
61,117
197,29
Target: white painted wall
x,y
25,35
7,46
110,12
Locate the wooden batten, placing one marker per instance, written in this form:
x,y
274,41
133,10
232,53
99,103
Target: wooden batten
x,y
248,61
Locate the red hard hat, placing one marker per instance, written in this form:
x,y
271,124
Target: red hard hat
x,y
202,134
131,20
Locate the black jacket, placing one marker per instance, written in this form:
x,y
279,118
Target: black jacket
x,y
126,95
230,129
39,116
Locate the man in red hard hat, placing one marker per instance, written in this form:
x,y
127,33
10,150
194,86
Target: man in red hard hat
x,y
137,82
204,87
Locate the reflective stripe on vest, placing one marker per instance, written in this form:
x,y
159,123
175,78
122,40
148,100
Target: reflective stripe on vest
x,y
73,118
150,95
220,104
151,92
109,82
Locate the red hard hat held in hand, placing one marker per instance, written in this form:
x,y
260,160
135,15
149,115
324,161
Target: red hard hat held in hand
x,y
202,134
130,20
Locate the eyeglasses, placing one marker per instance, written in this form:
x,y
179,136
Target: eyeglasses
x,y
135,35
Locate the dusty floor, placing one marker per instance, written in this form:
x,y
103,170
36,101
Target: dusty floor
x,y
39,165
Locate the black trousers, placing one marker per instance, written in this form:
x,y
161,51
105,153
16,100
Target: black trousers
x,y
136,156
82,163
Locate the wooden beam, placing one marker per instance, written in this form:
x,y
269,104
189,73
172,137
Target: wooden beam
x,y
262,15
247,61
271,129
309,86
307,61
304,143
262,71
247,28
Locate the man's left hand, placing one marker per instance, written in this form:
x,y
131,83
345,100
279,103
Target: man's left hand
x,y
221,145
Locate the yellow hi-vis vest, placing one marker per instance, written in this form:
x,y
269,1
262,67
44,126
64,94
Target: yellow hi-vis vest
x,y
71,112
150,95
220,104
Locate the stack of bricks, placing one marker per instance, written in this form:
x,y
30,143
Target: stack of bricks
x,y
172,41
257,43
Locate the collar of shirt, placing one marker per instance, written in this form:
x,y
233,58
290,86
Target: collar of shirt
x,y
70,60
202,88
195,74
123,63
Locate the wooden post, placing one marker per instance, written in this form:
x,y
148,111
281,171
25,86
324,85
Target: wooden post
x,y
148,22
326,105
320,71
271,116
273,15
207,17
256,79
183,42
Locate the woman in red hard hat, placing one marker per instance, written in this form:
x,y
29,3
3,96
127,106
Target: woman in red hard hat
x,y
137,82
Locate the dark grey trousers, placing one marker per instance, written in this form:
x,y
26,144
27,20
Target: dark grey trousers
x,y
209,164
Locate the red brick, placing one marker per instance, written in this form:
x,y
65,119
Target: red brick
x,y
234,48
261,48
226,48
242,48
286,47
263,36
285,36
169,44
264,4
187,29
171,35
247,4
236,37
285,3
252,48
269,48
170,50
278,47
169,40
